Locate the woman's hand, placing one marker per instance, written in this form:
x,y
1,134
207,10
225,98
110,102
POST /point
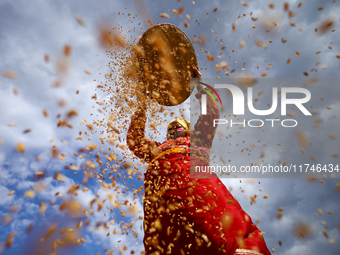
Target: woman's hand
x,y
199,91
198,85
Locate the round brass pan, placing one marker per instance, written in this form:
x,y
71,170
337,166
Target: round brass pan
x,y
166,60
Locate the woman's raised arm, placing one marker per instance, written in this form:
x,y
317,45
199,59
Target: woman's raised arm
x,y
136,141
204,131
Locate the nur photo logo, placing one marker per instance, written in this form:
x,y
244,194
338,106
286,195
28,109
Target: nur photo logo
x,y
238,104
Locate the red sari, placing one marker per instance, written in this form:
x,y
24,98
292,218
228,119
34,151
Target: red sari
x,y
185,215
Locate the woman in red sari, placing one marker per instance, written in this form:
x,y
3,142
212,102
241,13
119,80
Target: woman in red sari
x,y
184,215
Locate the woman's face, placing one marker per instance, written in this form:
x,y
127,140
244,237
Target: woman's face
x,y
173,129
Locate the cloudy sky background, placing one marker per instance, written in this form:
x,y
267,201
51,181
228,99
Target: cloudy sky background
x,y
31,30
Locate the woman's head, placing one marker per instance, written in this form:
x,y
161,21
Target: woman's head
x,y
178,127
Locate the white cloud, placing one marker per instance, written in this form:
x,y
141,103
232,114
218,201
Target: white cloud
x,y
29,30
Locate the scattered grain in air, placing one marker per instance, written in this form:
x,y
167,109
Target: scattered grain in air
x,y
310,81
210,58
332,136
313,158
39,187
45,113
9,74
21,147
9,239
331,241
242,44
11,192
325,26
299,5
291,14
303,230
297,53
11,124
80,20
246,4
43,208
7,219
233,26
164,15
279,216
88,72
67,50
15,91
291,113
27,131
54,152
314,112
337,56
261,44
109,38
320,8
335,155
215,10
302,139
47,58
30,194
286,6
321,181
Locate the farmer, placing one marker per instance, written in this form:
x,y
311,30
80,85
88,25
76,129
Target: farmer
x,y
185,215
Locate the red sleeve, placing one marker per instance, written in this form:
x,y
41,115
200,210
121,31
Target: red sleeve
x,y
204,130
136,141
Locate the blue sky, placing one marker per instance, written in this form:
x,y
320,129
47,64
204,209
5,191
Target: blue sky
x,y
32,30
